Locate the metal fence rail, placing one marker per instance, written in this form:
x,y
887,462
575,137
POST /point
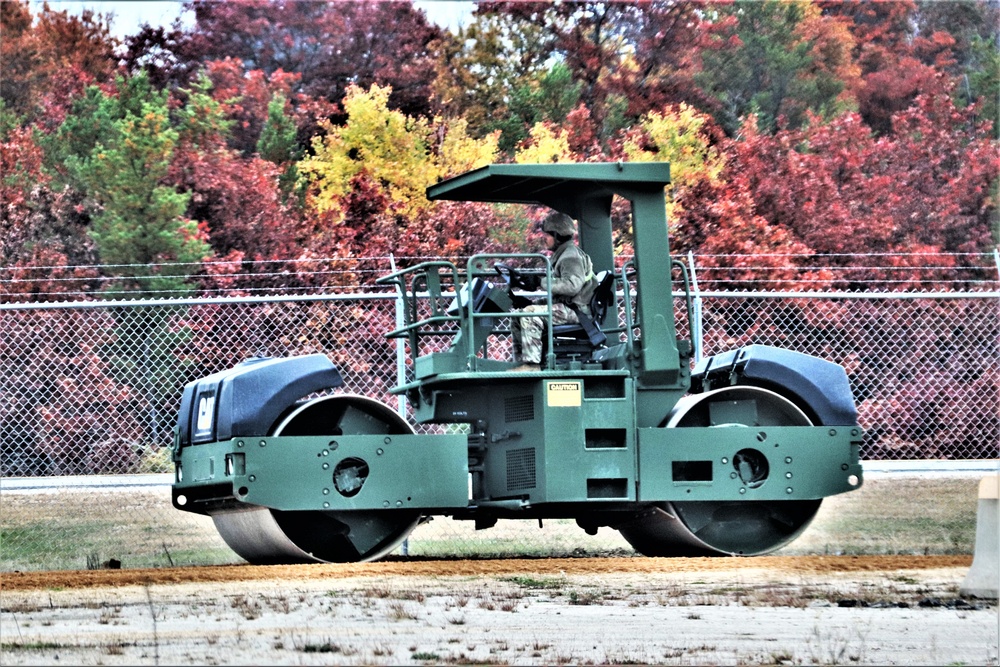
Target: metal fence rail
x,y
92,388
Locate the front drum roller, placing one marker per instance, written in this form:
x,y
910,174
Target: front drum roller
x,y
262,535
706,528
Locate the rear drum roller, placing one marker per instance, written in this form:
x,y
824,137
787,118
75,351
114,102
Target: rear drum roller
x,y
262,535
702,528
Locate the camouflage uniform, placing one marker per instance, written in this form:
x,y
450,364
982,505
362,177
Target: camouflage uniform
x,y
573,282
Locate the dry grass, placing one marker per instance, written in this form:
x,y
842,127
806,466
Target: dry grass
x,y
76,530
903,515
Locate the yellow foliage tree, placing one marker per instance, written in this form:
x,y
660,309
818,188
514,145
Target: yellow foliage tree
x,y
401,154
678,135
457,152
545,144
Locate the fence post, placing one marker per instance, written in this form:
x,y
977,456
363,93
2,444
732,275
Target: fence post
x,y
696,315
400,369
400,344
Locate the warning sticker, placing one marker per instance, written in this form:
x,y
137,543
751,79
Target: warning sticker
x,y
564,394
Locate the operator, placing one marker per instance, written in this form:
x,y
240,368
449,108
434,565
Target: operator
x,y
573,285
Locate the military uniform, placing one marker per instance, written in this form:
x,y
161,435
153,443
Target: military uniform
x,y
573,284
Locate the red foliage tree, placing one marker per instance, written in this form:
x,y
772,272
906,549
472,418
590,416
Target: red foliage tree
x,y
666,38
237,199
628,57
842,190
897,64
43,242
331,45
34,49
244,96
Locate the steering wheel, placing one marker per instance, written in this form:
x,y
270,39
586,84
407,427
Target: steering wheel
x,y
515,280
528,282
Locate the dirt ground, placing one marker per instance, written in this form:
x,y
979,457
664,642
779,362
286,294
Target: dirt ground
x,y
768,610
473,567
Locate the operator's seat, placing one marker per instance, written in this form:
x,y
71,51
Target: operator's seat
x,y
575,340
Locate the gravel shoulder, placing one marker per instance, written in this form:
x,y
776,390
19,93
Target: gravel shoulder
x,y
772,610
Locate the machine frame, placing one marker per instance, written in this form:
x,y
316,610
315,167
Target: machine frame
x,y
730,456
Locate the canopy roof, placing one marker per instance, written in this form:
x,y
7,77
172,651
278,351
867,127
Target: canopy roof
x,y
549,183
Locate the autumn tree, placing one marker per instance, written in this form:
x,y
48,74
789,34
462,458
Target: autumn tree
x,y
526,62
44,243
44,249
961,40
330,45
846,192
779,61
34,49
237,199
491,69
628,57
166,55
907,48
549,98
365,181
394,149
710,208
683,137
119,152
244,97
666,39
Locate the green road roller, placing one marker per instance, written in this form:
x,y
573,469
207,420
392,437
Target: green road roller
x,y
622,424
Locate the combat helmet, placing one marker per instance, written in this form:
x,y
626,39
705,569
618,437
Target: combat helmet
x,y
558,224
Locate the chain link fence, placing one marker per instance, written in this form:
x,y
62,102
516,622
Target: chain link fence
x,y
91,389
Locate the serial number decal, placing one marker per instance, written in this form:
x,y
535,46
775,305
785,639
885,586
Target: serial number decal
x,y
564,394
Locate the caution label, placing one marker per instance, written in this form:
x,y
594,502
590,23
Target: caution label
x,y
565,394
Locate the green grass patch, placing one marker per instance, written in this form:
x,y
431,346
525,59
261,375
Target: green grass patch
x,y
544,583
424,655
77,530
904,515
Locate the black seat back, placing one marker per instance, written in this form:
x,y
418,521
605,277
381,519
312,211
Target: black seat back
x,y
583,337
603,295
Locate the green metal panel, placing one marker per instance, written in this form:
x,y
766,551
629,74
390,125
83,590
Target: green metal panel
x,y
594,215
804,462
437,363
588,444
654,299
297,473
653,406
551,438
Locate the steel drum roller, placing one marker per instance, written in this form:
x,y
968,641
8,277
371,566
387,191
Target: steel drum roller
x,y
262,535
699,528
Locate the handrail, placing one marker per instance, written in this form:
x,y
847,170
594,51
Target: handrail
x,y
425,281
420,275
687,298
392,277
473,270
630,325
